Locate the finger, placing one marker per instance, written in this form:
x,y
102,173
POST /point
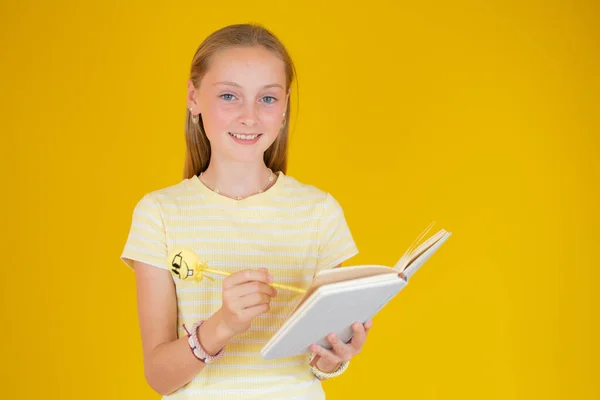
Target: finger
x,y
251,287
325,354
368,325
315,360
359,337
253,299
248,275
342,350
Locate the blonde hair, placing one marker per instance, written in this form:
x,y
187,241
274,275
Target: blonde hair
x,y
197,144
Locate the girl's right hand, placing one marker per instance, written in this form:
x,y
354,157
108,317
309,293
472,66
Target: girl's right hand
x,y
246,294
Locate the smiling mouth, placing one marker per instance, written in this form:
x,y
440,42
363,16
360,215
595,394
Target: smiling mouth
x,y
244,136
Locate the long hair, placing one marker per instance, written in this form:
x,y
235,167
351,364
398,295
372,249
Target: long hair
x,y
197,144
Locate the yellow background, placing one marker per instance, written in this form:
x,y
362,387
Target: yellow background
x,y
481,116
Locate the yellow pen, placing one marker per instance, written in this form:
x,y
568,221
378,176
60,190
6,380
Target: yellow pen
x,y
186,264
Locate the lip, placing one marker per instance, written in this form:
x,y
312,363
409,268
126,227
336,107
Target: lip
x,y
245,141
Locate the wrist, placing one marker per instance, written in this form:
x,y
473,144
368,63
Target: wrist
x,y
327,374
213,334
327,366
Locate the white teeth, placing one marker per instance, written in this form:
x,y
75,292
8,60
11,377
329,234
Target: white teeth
x,y
243,137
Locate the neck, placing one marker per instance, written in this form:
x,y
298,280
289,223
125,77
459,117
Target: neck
x,y
236,178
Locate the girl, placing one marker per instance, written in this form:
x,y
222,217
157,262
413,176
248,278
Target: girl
x,y
239,212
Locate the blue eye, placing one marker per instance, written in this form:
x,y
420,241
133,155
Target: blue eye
x,y
269,97
227,94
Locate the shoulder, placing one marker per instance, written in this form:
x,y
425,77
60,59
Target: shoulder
x,y
156,199
297,189
310,194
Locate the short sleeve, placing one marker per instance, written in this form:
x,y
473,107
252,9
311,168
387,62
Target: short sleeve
x,y
336,243
147,237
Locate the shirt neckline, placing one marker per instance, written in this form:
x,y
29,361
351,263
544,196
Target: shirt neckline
x,y
253,199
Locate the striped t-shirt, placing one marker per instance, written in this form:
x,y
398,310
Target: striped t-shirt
x,y
293,229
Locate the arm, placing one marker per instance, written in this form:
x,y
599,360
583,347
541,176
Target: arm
x,y
168,361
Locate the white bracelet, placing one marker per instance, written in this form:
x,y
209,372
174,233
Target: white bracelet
x,y
197,348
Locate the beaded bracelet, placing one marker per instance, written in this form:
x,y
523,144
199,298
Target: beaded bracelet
x,y
320,375
197,349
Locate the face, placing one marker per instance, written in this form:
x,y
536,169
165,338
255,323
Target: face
x,y
242,99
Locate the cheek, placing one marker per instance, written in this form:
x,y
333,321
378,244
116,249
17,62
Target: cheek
x,y
272,116
217,119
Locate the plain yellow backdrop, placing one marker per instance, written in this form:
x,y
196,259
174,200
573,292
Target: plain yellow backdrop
x,y
482,116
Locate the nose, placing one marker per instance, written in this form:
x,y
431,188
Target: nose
x,y
249,114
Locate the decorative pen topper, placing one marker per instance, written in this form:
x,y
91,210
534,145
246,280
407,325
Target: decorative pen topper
x,y
186,264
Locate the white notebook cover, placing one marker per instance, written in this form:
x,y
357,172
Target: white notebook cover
x,y
332,308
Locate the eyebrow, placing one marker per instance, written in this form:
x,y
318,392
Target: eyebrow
x,y
238,85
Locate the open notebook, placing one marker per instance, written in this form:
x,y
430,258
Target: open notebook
x,y
341,296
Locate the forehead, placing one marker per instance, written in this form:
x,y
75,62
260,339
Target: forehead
x,y
247,66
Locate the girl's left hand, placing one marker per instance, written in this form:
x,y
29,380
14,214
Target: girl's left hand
x,y
330,360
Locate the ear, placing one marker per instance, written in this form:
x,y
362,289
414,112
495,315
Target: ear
x,y
287,99
192,98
